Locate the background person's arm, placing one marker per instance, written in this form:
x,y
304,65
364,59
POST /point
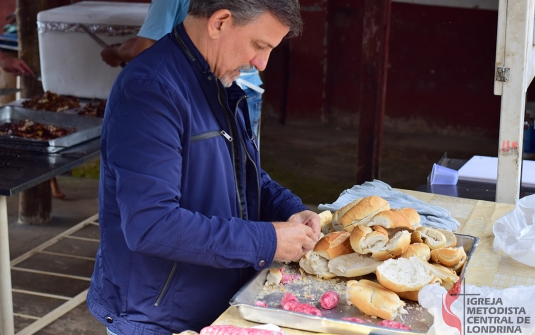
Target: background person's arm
x,y
115,54
14,65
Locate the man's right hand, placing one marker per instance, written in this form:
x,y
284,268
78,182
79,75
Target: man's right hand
x,y
294,239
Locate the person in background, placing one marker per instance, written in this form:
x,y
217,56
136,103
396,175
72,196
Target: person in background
x,y
18,67
162,17
186,213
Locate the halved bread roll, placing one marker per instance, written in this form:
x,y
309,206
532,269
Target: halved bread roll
x,y
457,267
314,264
430,236
413,295
447,256
365,239
374,299
274,277
451,239
358,212
412,215
396,246
391,220
326,222
353,265
333,245
404,274
444,273
420,250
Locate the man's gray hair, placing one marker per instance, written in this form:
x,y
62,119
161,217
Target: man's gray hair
x,y
244,11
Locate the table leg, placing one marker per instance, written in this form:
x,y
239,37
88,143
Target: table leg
x,y
6,298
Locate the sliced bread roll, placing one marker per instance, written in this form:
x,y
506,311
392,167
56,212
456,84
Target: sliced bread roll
x,y
404,274
444,273
314,264
447,256
451,239
458,267
333,245
396,246
413,295
375,300
391,220
326,222
430,236
420,250
364,239
412,215
358,212
353,265
274,277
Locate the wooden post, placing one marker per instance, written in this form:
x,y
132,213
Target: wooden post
x,y
372,88
35,204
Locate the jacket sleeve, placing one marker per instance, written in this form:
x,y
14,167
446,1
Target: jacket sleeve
x,y
142,154
278,203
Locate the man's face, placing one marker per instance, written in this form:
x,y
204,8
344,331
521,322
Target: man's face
x,y
242,47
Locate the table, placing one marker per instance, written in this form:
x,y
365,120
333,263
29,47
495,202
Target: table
x,y
486,268
19,171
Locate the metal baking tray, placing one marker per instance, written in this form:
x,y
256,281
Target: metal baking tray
x,y
310,289
86,128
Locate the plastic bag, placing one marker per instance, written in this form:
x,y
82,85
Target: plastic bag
x,y
480,310
514,233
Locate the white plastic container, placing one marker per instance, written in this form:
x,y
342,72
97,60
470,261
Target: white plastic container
x,y
70,58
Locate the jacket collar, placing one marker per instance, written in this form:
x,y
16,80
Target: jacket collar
x,y
190,50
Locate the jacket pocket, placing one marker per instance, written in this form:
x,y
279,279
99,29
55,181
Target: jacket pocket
x,y
211,134
165,285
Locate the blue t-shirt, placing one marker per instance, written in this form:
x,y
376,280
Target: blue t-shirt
x,y
164,15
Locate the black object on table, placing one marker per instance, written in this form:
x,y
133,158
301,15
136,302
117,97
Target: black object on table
x,y
465,188
22,169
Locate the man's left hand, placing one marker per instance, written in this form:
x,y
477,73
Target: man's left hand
x,y
310,219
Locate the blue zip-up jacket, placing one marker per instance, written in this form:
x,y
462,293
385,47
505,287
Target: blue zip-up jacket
x,y
184,208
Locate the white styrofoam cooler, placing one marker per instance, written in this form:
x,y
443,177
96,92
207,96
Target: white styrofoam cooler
x,y
70,59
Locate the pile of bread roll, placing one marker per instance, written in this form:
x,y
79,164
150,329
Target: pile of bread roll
x,y
367,236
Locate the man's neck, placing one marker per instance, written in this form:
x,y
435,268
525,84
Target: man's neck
x,y
197,32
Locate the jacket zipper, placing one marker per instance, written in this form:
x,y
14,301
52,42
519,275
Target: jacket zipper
x,y
233,152
165,285
211,134
251,159
186,50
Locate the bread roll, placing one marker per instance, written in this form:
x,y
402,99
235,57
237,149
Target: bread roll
x,y
391,220
365,240
430,236
445,274
413,295
314,264
353,265
333,245
451,239
396,246
420,250
404,274
457,267
373,299
326,222
412,215
274,277
358,212
447,256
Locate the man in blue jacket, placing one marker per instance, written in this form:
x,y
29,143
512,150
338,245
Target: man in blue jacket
x,y
186,213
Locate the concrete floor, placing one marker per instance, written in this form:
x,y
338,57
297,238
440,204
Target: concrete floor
x,y
315,161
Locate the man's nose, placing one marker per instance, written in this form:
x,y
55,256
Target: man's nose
x,y
260,62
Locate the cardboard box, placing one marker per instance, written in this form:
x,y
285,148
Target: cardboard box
x,y
70,58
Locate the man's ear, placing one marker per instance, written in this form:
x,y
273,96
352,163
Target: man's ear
x,y
219,21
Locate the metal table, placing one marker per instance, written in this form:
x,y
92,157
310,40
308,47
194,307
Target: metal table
x,y
19,171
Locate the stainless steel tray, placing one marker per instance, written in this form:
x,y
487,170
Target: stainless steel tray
x,y
86,128
310,290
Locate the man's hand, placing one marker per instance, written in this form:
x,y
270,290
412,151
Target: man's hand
x,y
294,239
110,55
16,66
310,219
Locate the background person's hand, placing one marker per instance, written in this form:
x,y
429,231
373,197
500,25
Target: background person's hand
x,y
294,239
110,55
310,219
16,66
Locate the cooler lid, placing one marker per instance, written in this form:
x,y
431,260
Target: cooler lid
x,y
97,12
